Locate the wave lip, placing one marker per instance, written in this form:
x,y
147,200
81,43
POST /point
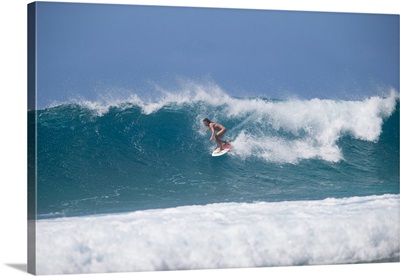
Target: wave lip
x,y
330,231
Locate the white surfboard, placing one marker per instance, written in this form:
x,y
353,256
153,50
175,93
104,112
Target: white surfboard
x,y
218,152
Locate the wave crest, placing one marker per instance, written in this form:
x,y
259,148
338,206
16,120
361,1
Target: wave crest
x,y
275,131
293,130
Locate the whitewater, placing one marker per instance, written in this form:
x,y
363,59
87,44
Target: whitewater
x,y
130,185
230,235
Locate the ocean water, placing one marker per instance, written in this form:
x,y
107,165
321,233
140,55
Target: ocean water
x,y
130,185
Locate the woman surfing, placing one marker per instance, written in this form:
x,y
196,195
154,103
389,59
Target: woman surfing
x,y
220,129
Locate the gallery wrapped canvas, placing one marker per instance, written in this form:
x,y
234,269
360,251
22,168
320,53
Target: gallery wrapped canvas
x,y
120,172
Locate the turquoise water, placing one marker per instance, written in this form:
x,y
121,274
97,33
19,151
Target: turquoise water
x,y
130,185
135,155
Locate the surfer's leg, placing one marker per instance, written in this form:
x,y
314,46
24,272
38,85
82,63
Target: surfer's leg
x,y
218,138
221,146
221,133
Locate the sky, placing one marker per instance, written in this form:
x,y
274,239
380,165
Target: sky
x,y
88,50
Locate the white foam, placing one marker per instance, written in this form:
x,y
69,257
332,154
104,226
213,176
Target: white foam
x,y
331,231
279,150
315,126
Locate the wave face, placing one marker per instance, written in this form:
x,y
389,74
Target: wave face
x,y
224,235
132,154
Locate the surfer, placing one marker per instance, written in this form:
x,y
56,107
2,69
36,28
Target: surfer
x,y
221,130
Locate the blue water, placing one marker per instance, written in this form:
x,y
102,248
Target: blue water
x,y
307,182
132,154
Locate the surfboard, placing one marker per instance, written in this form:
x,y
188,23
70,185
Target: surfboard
x,y
218,152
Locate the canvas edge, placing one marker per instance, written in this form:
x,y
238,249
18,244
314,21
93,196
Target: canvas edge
x,y
31,125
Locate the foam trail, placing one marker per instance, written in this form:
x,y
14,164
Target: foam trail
x,y
331,231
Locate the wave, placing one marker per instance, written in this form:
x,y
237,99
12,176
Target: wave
x,y
134,154
229,235
274,131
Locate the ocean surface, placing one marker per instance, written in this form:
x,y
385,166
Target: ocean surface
x,y
130,185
